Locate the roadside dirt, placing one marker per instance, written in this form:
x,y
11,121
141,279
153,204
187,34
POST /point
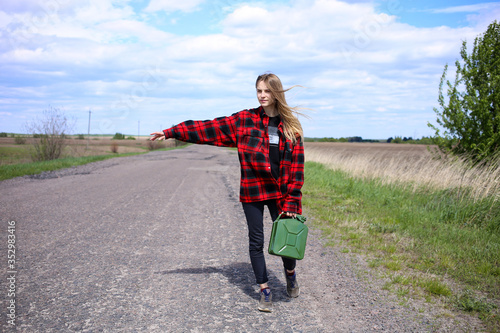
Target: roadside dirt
x,y
158,243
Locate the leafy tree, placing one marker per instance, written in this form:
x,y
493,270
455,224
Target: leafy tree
x,y
119,136
355,139
471,115
397,139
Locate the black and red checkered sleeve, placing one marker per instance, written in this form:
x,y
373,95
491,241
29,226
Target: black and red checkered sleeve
x,y
293,198
218,132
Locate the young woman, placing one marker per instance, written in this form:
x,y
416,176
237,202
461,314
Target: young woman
x,y
271,154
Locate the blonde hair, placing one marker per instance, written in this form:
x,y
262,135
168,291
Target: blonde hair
x,y
292,129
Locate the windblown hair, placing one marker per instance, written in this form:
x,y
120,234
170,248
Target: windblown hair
x,y
291,125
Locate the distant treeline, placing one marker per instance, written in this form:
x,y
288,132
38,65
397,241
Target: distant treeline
x,y
423,141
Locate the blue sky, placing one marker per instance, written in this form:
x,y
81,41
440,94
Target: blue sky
x,y
367,68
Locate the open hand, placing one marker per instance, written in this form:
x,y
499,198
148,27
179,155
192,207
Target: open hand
x,y
157,136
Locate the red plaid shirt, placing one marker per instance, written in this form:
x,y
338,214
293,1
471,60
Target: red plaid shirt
x,y
247,130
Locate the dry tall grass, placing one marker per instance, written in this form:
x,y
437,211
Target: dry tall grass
x,y
412,165
79,148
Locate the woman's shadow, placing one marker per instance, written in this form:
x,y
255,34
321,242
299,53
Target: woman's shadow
x,y
241,275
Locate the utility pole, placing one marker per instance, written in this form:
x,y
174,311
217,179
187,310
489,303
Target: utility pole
x,y
88,133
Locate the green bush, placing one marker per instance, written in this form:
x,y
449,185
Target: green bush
x,y
81,137
130,138
425,141
397,139
19,140
3,135
119,136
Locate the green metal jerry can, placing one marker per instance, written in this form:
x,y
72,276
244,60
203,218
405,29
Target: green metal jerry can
x,y
288,237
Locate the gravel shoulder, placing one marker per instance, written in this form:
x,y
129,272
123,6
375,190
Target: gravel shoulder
x,y
158,243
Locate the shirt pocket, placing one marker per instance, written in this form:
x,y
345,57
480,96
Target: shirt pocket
x,y
252,151
252,141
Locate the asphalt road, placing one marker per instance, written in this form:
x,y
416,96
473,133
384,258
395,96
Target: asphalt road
x,y
158,243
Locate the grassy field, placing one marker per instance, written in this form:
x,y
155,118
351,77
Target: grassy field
x,y
15,159
12,153
429,228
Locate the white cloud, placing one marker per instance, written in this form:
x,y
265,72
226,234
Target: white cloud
x,y
353,60
173,5
123,29
482,14
468,8
5,19
22,6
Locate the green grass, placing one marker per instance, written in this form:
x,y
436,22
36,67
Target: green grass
x,y
469,303
13,151
431,237
33,168
13,154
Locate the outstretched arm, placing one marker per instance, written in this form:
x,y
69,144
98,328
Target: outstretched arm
x,y
219,131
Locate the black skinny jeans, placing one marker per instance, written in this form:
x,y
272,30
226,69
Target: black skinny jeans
x,y
254,212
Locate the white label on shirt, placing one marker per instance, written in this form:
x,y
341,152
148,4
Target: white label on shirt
x,y
274,138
